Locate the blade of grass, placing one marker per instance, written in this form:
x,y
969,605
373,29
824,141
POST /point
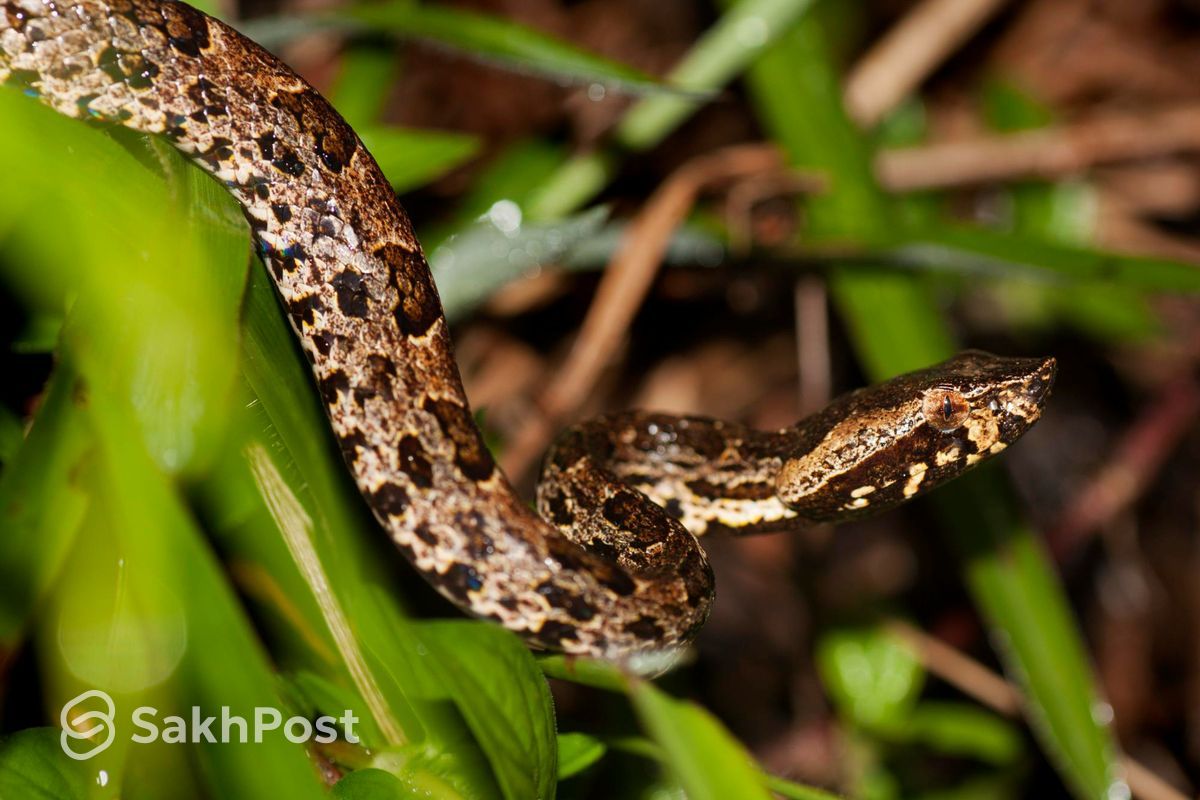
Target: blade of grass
x,y
477,36
1000,253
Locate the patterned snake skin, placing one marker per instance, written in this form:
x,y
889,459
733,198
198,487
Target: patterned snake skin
x,y
603,571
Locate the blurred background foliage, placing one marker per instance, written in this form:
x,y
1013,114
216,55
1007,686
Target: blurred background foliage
x,y
840,191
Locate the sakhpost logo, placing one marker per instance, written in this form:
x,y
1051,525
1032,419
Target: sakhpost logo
x,y
95,728
88,731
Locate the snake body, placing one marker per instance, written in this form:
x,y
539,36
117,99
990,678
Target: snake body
x,y
608,567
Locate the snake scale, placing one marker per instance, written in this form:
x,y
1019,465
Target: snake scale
x,y
611,564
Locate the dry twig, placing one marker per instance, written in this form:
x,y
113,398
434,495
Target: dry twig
x,y
909,52
1043,153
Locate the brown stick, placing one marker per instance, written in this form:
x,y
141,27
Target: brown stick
x,y
909,52
1044,153
979,682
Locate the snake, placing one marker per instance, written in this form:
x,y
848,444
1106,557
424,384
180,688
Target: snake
x,y
609,564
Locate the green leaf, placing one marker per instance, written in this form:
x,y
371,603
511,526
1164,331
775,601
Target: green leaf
x,y
873,677
318,695
708,762
743,32
41,333
584,671
12,433
34,767
497,687
360,92
371,784
963,730
796,791
413,158
577,752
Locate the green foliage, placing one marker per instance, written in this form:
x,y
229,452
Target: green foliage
x,y
577,752
34,767
871,676
702,756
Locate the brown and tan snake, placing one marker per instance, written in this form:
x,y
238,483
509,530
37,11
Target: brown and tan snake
x,y
612,565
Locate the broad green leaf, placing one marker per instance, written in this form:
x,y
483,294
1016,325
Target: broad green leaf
x,y
34,767
317,695
645,748
148,617
379,651
40,334
498,689
873,677
577,752
708,762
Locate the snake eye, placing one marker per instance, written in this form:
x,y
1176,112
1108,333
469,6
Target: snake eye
x,y
945,409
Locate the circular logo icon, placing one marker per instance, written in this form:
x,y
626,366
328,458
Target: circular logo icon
x,y
93,727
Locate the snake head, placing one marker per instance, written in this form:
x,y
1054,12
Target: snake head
x,y
880,446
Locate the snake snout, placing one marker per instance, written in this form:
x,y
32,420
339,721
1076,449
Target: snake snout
x,y
1037,387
